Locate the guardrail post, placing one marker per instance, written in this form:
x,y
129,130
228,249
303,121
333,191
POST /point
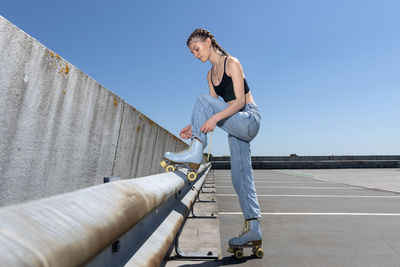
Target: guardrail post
x,y
194,255
191,255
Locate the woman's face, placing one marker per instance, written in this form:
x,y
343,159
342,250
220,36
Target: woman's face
x,y
200,50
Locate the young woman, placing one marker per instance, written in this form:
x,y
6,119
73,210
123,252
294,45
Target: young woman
x,y
236,114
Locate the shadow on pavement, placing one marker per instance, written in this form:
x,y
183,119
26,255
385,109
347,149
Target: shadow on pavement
x,y
226,261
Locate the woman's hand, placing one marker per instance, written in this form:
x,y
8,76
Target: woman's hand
x,y
186,132
209,125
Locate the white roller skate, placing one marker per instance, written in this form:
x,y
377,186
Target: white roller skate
x,y
190,158
250,236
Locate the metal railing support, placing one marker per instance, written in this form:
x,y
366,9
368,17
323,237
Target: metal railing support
x,y
169,231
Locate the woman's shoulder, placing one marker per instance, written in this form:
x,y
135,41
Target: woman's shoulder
x,y
230,60
232,64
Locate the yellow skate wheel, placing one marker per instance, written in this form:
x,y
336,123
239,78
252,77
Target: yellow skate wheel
x,y
170,168
239,254
191,176
259,253
163,164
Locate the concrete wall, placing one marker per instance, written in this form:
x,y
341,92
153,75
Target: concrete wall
x,y
315,162
60,130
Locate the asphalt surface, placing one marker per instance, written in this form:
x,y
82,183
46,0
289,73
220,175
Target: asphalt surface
x,y
315,218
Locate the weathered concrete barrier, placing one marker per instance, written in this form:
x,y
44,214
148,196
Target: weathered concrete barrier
x,y
74,228
60,130
315,162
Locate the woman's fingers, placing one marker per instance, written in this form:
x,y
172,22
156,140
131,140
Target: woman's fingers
x,y
186,132
206,130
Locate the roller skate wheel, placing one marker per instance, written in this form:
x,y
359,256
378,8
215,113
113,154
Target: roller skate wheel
x,y
239,254
259,253
163,164
191,176
170,168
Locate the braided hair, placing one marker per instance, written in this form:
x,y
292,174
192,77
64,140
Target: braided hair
x,y
201,34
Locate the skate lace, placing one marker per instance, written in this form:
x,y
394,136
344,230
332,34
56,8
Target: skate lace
x,y
209,147
245,228
191,145
186,150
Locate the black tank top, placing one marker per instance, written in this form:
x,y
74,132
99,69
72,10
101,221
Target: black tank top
x,y
225,88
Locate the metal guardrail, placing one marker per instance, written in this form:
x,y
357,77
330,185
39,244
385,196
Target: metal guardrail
x,y
129,222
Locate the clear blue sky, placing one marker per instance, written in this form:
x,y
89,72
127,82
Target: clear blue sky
x,y
325,74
